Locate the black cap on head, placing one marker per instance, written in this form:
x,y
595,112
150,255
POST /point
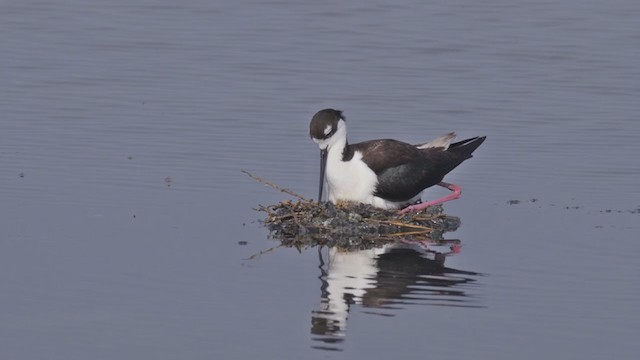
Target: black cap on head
x,y
325,123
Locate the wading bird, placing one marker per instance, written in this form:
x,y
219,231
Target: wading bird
x,y
386,173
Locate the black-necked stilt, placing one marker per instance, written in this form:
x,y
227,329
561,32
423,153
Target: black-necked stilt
x,y
386,173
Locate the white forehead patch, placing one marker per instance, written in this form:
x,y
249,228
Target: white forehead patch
x,y
328,129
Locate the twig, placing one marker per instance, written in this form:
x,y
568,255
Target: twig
x,y
408,233
263,252
274,186
407,225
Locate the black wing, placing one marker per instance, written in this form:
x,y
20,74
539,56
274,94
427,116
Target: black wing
x,y
404,171
380,155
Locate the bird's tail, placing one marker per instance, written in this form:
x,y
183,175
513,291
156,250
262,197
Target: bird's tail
x,y
467,147
443,141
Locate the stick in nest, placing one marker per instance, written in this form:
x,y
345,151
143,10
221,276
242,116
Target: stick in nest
x,y
274,186
262,252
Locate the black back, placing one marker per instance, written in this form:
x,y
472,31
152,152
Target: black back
x,y
404,171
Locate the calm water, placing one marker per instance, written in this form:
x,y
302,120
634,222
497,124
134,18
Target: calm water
x,y
127,224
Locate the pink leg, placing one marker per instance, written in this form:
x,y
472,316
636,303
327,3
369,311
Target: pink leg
x,y
417,207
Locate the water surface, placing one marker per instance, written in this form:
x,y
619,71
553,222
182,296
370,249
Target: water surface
x,y
127,224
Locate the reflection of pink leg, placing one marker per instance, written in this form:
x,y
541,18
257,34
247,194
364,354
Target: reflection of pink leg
x,y
456,194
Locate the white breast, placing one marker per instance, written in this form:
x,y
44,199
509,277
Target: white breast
x,y
350,180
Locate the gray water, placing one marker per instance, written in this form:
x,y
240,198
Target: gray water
x,y
127,226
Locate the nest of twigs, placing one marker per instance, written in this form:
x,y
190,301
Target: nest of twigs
x,y
352,224
307,223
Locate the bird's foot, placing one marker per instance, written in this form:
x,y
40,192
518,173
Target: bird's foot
x,y
457,192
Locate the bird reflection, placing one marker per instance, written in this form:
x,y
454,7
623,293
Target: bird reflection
x,y
382,279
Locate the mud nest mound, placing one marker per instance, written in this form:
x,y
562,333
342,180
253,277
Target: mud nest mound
x,y
352,225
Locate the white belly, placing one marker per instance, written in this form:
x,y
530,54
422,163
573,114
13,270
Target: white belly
x,y
353,180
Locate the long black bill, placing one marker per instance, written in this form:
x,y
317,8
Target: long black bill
x,y
323,165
